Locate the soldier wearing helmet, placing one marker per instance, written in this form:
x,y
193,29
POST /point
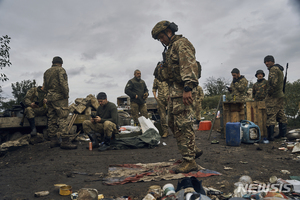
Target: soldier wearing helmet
x,y
259,89
180,71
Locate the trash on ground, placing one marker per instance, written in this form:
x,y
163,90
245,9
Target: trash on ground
x,y
227,168
285,171
41,193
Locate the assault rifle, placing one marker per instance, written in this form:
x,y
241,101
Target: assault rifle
x,y
285,78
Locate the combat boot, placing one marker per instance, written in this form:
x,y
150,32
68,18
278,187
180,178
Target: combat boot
x,y
54,142
282,130
270,130
32,126
67,144
106,145
198,152
186,166
94,140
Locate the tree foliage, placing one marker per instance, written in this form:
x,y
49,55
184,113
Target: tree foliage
x,y
214,86
4,55
292,98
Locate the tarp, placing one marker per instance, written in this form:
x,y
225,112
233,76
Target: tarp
x,y
149,139
130,173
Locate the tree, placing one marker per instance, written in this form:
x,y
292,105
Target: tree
x,y
292,98
4,55
19,92
215,86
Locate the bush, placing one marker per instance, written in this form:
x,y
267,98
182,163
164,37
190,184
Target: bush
x,y
210,102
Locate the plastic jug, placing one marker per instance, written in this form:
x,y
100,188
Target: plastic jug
x,y
251,132
233,134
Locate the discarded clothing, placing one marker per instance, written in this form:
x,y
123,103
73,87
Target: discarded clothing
x,y
130,173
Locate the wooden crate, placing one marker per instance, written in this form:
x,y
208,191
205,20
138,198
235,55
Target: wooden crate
x,y
257,113
232,112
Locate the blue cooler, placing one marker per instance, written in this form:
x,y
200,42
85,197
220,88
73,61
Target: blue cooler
x,y
233,134
251,132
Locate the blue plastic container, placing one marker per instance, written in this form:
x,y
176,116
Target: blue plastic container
x,y
233,134
251,132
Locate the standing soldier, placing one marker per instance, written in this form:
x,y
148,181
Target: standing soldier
x,y
36,106
199,98
57,89
238,86
259,89
162,100
137,90
180,70
274,99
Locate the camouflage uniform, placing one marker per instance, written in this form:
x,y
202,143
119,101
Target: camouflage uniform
x,y
108,124
275,97
35,95
199,98
57,89
137,87
181,70
239,89
259,89
162,101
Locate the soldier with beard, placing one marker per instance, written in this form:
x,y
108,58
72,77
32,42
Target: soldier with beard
x,y
238,86
137,90
275,99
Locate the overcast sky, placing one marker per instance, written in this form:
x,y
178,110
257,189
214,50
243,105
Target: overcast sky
x,y
102,42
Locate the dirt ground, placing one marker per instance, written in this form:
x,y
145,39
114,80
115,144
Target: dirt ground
x,y
37,167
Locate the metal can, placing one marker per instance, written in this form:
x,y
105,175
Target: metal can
x,y
224,98
90,146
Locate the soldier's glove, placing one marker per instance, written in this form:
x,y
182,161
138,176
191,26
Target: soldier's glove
x,y
145,95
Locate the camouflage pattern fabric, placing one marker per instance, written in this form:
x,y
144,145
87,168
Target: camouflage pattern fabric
x,y
107,128
239,89
56,83
275,97
162,101
138,110
57,115
57,89
181,124
259,90
180,70
199,98
35,95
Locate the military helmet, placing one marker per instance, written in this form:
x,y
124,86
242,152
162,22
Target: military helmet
x,y
57,59
260,72
161,26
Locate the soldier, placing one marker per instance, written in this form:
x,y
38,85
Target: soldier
x,y
274,99
199,98
180,70
137,90
57,89
238,86
162,100
259,89
104,123
35,106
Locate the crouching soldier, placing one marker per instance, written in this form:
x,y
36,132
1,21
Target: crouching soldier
x,y
36,106
103,124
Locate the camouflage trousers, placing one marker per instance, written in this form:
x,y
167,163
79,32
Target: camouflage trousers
x,y
34,112
136,109
275,111
162,104
105,129
181,124
57,118
198,109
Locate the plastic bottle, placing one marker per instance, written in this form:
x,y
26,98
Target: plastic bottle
x,y
131,122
